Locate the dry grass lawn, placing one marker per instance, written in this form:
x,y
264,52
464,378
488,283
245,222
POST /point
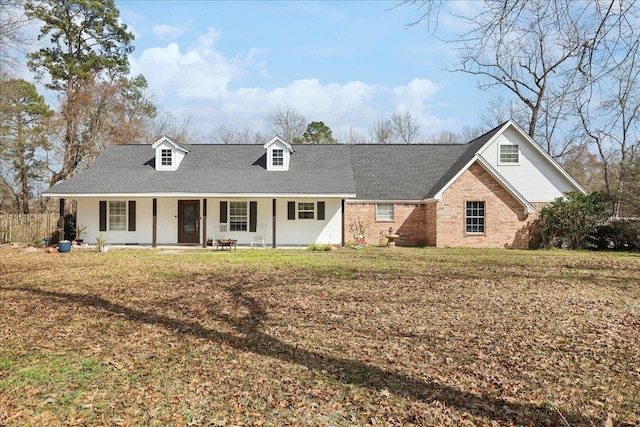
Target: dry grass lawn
x,y
374,337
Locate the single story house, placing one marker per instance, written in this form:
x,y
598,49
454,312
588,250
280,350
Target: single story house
x,y
486,193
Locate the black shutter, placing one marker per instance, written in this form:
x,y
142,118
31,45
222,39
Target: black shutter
x,y
223,212
291,210
103,215
253,216
321,211
132,215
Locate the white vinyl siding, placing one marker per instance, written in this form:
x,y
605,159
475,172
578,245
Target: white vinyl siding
x,y
535,178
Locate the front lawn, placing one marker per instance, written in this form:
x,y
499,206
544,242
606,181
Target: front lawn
x,y
382,336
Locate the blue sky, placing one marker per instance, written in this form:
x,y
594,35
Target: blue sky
x,y
224,63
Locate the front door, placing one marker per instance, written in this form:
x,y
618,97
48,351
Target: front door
x,y
189,221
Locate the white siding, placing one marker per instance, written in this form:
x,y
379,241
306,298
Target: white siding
x,y
289,232
535,177
88,214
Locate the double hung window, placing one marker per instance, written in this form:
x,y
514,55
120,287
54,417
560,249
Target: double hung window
x,y
117,216
238,217
509,154
384,212
475,217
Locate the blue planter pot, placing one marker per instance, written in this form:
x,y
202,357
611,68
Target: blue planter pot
x,y
64,247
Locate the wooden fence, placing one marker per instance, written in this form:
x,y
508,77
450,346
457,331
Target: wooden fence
x,y
30,229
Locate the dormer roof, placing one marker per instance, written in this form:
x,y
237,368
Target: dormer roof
x,y
166,141
277,140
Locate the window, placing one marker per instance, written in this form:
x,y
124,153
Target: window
x,y
306,210
165,157
277,157
237,216
475,216
117,216
509,154
384,212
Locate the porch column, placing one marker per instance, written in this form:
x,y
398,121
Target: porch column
x,y
154,222
60,224
204,223
343,223
273,224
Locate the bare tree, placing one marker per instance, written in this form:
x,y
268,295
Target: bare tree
x,y
406,127
225,134
168,124
545,52
381,132
612,125
353,136
13,39
288,123
466,134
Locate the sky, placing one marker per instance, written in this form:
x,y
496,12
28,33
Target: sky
x,y
346,63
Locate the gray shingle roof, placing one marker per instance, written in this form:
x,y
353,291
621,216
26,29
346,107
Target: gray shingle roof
x,y
214,169
370,171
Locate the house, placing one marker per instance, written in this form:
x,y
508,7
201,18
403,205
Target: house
x,y
486,193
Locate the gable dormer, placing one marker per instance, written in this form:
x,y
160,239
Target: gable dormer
x,y
278,154
169,154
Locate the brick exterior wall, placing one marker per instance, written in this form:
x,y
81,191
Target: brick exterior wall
x,y
431,211
442,223
506,223
410,222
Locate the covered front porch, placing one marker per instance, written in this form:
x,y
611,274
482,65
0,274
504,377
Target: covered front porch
x,y
192,221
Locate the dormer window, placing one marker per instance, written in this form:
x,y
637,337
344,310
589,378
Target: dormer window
x,y
278,154
165,157
169,154
277,157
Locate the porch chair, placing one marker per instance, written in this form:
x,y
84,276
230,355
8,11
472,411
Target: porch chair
x,y
260,236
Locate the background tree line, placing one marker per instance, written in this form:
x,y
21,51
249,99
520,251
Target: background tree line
x,y
570,68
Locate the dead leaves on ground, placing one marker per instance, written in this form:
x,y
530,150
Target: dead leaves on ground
x,y
404,337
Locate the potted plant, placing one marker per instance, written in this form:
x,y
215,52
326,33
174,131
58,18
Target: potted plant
x,y
101,243
64,246
79,230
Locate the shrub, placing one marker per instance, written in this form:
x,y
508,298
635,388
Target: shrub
x,y
618,235
574,217
319,248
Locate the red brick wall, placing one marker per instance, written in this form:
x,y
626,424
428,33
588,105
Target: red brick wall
x,y
431,211
506,223
442,223
410,222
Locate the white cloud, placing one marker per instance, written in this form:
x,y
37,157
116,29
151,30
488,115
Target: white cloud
x,y
197,82
167,32
199,73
